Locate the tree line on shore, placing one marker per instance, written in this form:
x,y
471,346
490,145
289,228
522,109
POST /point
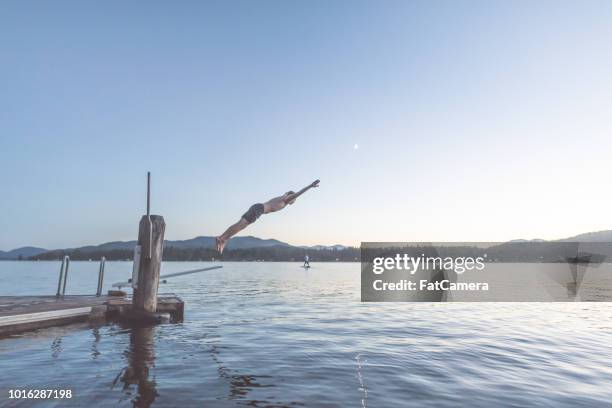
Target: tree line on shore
x,y
268,254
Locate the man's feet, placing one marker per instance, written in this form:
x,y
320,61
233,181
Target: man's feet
x,y
220,244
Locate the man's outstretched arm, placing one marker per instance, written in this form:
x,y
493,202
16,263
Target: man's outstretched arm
x,y
293,196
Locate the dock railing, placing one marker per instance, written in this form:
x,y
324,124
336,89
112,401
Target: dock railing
x,y
101,276
63,276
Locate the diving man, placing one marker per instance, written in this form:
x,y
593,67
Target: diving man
x,y
256,210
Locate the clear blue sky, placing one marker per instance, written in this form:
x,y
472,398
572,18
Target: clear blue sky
x,y
474,120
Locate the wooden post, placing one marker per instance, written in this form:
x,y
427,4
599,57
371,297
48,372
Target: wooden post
x,y
145,295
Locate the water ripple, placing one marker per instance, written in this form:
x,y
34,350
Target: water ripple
x,y
269,335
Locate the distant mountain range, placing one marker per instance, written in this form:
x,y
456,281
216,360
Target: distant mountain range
x,y
323,247
236,244
24,252
197,242
597,236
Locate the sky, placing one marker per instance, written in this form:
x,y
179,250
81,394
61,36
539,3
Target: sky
x,y
424,120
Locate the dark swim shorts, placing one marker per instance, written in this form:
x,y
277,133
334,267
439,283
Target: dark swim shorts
x,y
253,213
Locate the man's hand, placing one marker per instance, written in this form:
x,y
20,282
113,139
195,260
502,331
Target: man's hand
x,y
293,196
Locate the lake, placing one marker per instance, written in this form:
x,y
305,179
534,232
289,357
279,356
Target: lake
x,y
276,335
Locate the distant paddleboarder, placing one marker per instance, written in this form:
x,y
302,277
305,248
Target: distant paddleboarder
x,y
306,261
253,213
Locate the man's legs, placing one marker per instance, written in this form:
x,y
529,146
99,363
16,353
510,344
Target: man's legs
x,y
249,217
230,232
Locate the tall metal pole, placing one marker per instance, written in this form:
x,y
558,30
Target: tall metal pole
x,y
148,193
151,240
149,247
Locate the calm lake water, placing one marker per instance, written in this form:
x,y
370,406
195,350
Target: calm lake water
x,y
276,335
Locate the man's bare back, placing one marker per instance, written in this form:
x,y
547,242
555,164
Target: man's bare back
x,y
256,210
275,204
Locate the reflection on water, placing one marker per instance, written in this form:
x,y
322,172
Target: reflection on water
x,y
95,353
140,357
272,335
56,347
139,386
241,384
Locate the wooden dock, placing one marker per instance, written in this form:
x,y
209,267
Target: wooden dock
x,y
23,313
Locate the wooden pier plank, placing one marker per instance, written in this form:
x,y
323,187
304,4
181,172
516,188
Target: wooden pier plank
x,y
13,305
35,317
23,313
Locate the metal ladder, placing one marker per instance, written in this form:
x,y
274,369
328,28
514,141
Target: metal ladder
x,y
63,276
